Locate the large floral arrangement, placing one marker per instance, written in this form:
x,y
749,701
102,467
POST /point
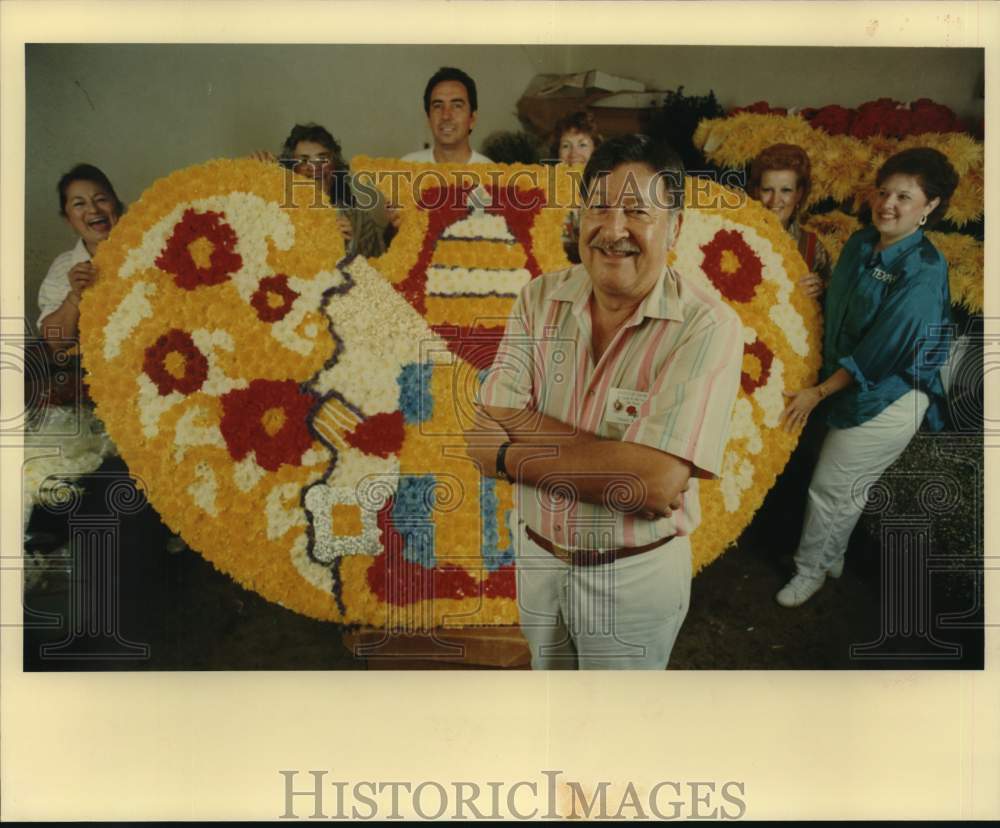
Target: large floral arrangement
x,y
297,415
843,166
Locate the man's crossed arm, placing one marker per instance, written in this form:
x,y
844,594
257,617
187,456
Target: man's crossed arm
x,y
547,453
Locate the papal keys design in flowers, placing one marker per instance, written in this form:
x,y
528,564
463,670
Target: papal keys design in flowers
x,y
298,415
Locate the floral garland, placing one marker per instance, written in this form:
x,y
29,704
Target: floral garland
x,y
884,116
296,416
963,253
742,251
843,166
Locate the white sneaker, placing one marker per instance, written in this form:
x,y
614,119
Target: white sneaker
x,y
799,590
837,569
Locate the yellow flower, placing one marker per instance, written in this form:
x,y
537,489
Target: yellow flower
x,y
843,167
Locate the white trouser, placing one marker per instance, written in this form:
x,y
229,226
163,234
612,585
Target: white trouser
x,y
849,462
619,616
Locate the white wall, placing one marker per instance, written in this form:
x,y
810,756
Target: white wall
x,y
140,112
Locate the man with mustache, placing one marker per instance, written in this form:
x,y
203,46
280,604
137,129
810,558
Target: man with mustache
x,y
450,101
610,395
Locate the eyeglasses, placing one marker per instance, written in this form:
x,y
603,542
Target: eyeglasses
x,y
318,161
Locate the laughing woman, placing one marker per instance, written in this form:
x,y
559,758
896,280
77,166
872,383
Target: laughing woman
x,y
886,308
88,203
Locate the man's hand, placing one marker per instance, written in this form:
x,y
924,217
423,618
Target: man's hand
x,y
81,276
483,440
675,504
395,215
799,407
812,285
346,230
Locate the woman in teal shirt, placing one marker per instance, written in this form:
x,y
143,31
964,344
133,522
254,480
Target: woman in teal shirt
x,y
885,338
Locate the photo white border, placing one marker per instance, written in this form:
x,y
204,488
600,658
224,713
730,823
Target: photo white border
x,y
877,745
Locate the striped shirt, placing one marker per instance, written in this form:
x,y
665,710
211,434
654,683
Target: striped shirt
x,y
668,380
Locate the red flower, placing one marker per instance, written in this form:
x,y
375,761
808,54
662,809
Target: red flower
x,y
174,363
932,117
732,266
381,434
760,108
833,119
757,359
269,418
882,117
200,251
273,298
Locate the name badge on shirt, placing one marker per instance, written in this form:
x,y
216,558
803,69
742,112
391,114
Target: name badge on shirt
x,y
883,276
623,405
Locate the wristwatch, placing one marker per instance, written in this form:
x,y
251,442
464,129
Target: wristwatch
x,y
501,466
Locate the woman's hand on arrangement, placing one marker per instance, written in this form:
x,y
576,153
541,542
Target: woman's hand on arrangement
x,y
799,407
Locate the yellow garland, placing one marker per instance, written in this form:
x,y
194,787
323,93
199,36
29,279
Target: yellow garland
x,y
720,527
963,253
843,167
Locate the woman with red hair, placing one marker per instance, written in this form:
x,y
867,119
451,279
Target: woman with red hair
x,y
780,178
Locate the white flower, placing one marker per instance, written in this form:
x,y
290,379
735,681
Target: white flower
x,y
283,511
126,317
192,430
380,332
451,281
204,489
737,477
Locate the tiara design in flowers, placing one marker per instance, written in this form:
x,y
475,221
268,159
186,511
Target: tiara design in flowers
x,y
298,415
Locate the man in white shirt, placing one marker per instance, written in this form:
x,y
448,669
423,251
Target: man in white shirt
x,y
450,102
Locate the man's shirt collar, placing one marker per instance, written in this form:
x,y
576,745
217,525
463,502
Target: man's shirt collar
x,y
662,302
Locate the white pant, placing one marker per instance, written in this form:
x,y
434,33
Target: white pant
x,y
619,616
849,462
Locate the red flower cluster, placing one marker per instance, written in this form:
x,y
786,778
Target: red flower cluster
x,y
273,298
884,116
174,363
732,266
764,357
213,263
269,417
760,108
381,434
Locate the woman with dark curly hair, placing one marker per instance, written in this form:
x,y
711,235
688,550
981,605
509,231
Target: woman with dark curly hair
x,y
780,179
884,342
311,151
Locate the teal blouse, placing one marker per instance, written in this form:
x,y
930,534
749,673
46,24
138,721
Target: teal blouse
x,y
887,322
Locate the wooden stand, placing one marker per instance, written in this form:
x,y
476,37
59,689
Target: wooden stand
x,y
466,648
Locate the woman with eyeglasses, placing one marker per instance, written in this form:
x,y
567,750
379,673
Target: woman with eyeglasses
x,y
89,205
885,340
311,151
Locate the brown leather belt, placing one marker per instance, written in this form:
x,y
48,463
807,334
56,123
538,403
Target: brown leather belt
x,y
592,557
